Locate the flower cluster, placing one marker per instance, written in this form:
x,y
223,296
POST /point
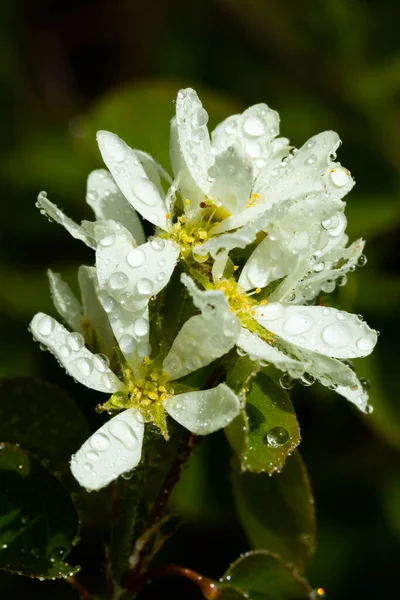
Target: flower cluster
x,y
257,230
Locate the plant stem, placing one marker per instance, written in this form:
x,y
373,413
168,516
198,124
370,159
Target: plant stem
x,y
79,588
143,554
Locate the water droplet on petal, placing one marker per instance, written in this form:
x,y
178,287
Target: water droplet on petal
x,y
100,442
199,117
123,433
340,176
135,258
298,324
144,287
118,280
84,365
46,325
127,343
365,344
107,241
146,191
286,382
336,335
101,362
75,341
253,126
141,327
158,244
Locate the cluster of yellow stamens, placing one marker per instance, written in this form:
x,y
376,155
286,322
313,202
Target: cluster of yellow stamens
x,y
253,198
146,393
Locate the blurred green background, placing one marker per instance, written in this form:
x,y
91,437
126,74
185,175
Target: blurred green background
x,y
70,68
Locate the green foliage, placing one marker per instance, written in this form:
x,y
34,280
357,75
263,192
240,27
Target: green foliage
x,y
266,431
38,522
42,418
277,512
263,575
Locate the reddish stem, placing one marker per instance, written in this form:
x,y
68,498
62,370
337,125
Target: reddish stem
x,y
79,588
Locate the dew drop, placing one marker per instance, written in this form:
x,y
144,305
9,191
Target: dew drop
x,y
286,382
199,117
46,325
92,455
340,176
101,362
118,280
123,433
311,160
141,327
88,467
127,343
116,149
107,241
298,324
277,436
84,366
230,126
146,191
365,344
362,260
158,244
100,442
135,258
336,335
107,302
253,126
65,351
144,287
75,341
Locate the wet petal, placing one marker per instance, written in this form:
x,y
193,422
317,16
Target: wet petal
x,y
204,411
133,274
131,330
205,337
259,350
108,202
154,171
312,169
91,370
65,302
324,330
233,176
114,449
131,178
55,214
194,139
357,395
97,323
253,131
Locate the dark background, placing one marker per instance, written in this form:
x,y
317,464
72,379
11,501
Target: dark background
x,y
70,68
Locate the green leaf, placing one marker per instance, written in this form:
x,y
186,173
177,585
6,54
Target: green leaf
x,y
277,512
268,431
262,575
38,521
42,418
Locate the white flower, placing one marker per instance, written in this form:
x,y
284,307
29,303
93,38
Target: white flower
x,y
305,341
116,447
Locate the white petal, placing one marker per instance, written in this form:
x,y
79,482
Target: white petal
x,y
326,270
204,411
311,170
133,274
154,171
233,180
107,202
223,244
131,330
205,337
253,130
66,304
55,214
324,330
194,139
250,214
131,178
114,449
357,395
259,350
89,369
93,311
299,229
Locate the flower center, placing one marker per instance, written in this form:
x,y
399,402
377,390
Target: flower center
x,y
147,394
